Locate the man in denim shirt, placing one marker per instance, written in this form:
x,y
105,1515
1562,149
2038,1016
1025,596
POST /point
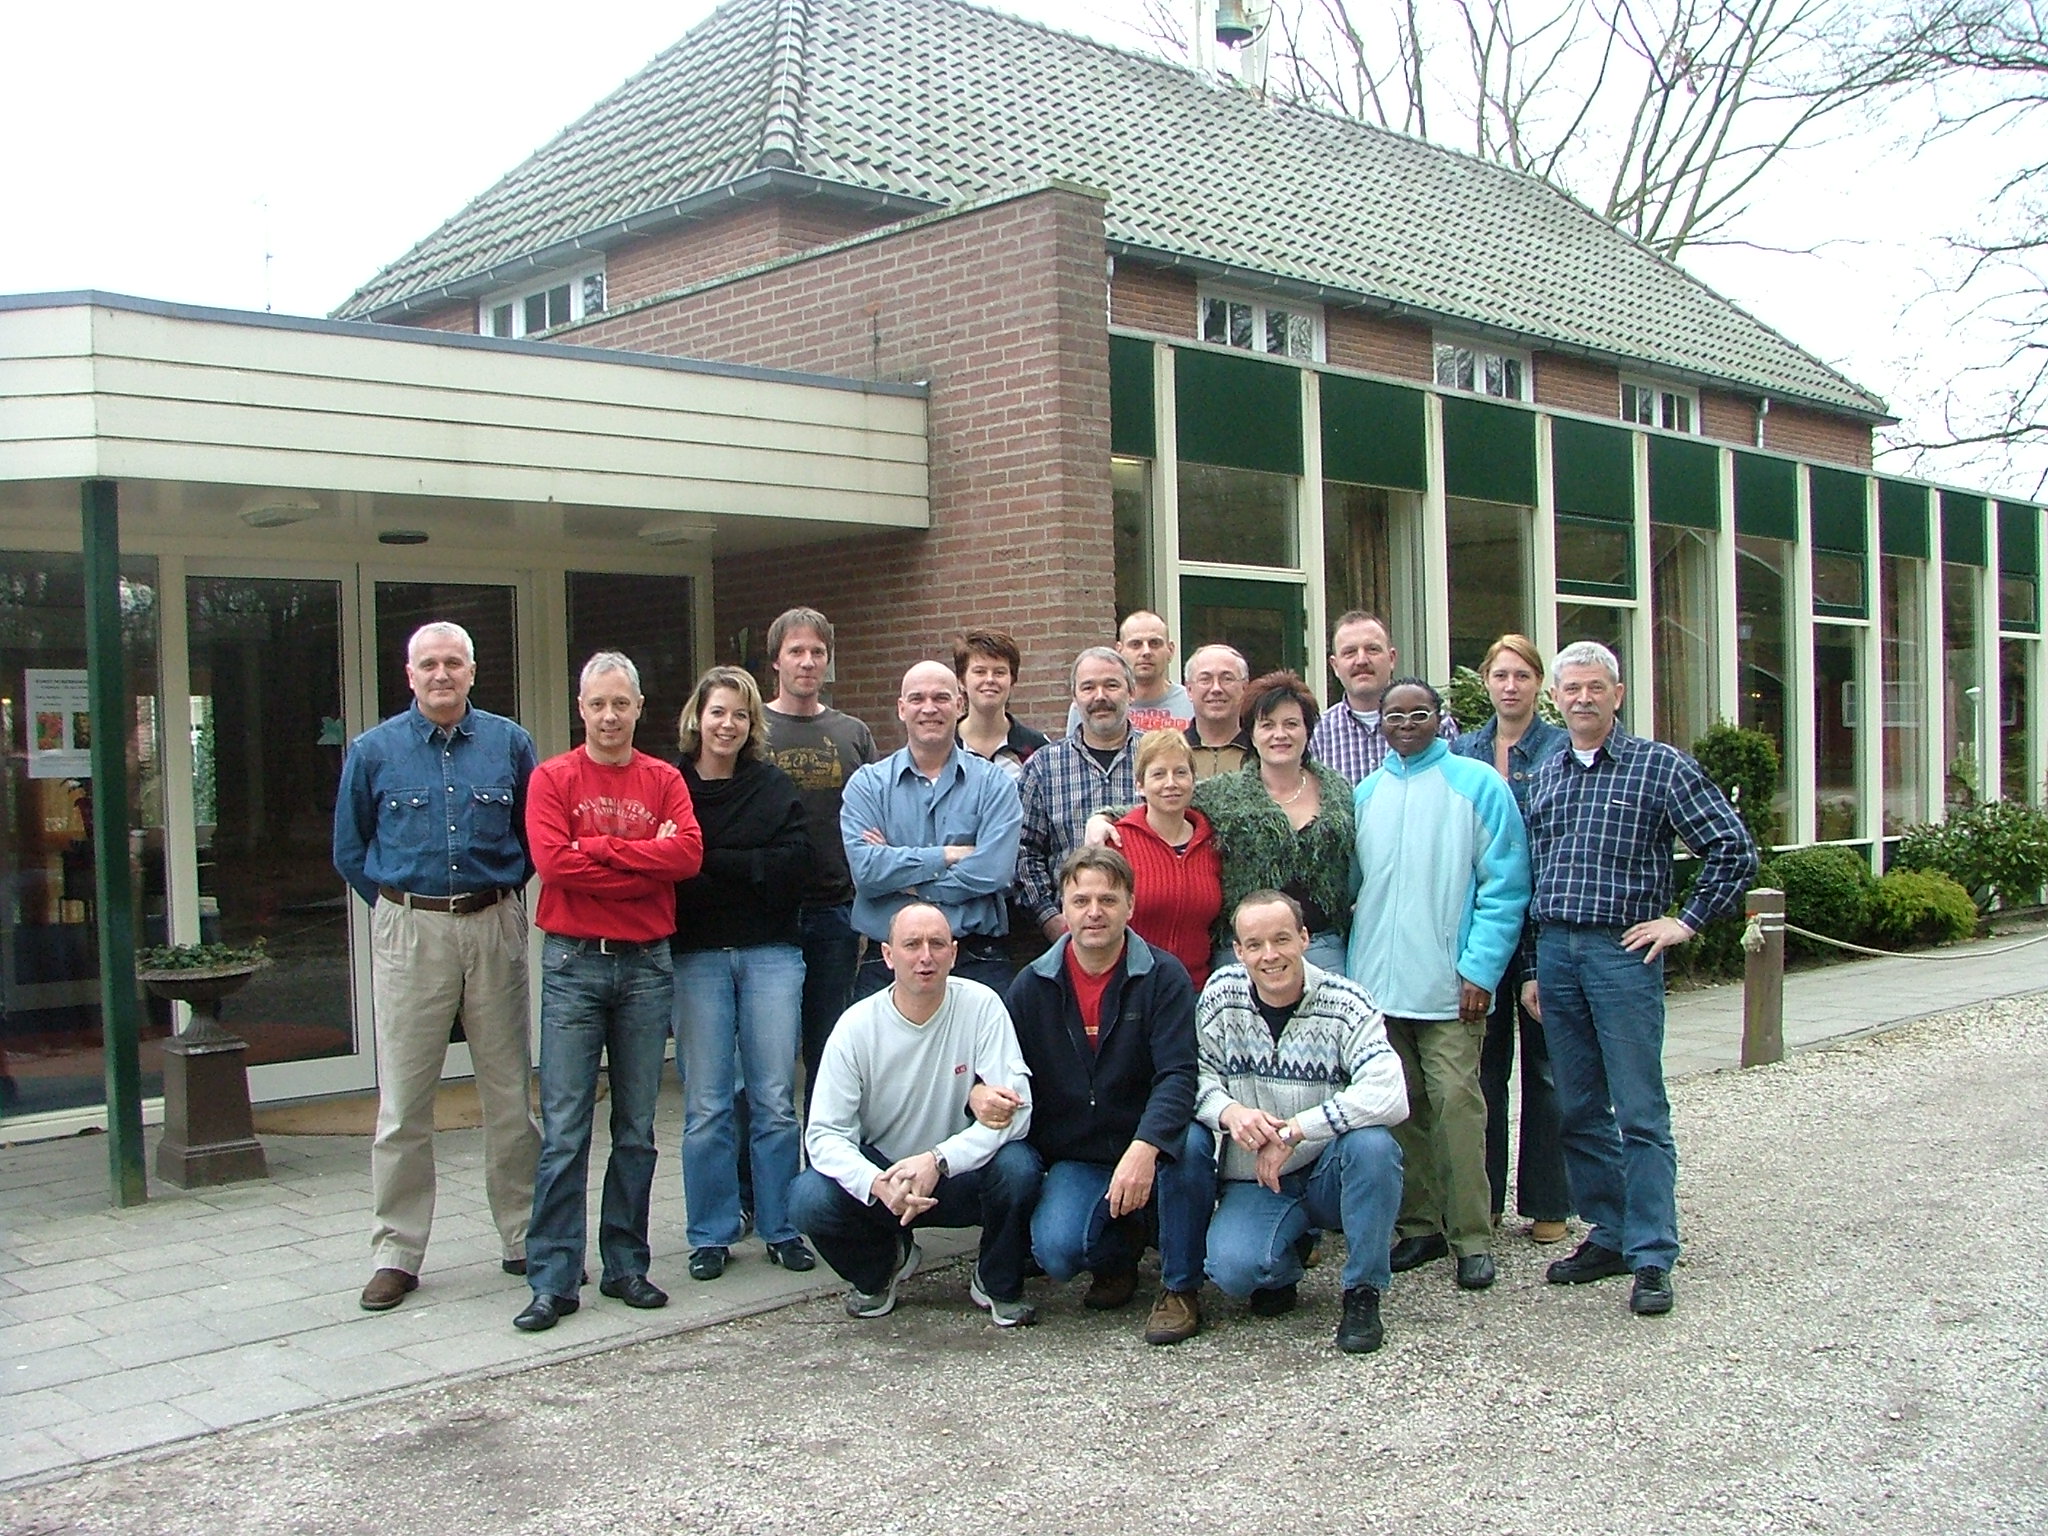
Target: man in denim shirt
x,y
430,830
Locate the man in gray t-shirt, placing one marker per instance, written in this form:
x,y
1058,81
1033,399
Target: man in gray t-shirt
x,y
819,748
890,1142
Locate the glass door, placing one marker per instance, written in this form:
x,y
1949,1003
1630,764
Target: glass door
x,y
269,730
1266,620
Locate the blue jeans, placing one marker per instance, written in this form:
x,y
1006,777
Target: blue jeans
x,y
1603,1015
831,952
593,1005
1355,1185
1071,1230
1541,1190
738,1008
862,1241
1326,951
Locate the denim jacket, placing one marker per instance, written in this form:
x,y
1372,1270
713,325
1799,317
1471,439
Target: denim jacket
x,y
1540,741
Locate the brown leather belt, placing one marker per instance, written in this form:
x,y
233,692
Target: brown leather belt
x,y
460,906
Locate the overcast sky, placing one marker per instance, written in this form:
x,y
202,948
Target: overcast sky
x,y
257,155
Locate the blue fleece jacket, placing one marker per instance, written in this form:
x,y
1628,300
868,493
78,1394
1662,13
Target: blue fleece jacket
x,y
1444,869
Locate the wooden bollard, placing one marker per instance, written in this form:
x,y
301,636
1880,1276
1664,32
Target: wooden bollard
x,y
1763,980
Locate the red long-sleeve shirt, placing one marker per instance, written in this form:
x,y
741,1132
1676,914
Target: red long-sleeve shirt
x,y
603,872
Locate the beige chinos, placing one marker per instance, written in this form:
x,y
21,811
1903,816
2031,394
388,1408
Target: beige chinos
x,y
426,968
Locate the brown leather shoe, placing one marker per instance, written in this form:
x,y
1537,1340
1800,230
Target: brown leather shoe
x,y
1548,1231
387,1289
1176,1315
1110,1289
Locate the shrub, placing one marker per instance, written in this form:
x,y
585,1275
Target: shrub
x,y
1744,765
1715,953
1827,890
1915,906
1997,851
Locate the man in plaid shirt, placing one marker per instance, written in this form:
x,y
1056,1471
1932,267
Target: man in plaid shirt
x,y
1602,819
1348,738
1069,780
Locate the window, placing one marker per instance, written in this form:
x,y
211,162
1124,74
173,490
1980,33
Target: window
x,y
1683,630
1595,558
1130,493
1237,516
1963,713
1837,734
1256,325
1489,560
1904,659
1649,404
1482,370
1763,655
560,301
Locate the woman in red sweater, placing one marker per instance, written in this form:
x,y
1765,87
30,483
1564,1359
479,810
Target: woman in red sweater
x,y
1172,850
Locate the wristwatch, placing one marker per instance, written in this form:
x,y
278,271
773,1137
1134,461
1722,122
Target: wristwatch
x,y
1287,1135
939,1158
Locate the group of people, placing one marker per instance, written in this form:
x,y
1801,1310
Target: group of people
x,y
1215,971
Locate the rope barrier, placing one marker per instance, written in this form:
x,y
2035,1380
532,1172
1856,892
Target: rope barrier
x,y
1753,940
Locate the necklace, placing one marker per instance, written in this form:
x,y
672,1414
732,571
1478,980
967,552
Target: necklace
x,y
1301,785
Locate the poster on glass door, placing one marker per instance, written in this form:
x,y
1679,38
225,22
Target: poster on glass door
x,y
59,723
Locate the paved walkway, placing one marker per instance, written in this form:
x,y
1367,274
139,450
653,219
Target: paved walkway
x,y
121,1330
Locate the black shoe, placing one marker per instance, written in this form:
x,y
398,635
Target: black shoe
x,y
1359,1330
792,1255
634,1291
1586,1263
513,1266
708,1263
543,1312
1652,1295
1274,1300
1476,1271
1414,1252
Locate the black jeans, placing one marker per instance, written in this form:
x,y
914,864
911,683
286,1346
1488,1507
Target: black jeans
x,y
1542,1192
863,1241
831,952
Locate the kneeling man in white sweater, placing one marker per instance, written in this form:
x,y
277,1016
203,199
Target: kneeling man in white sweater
x,y
891,1144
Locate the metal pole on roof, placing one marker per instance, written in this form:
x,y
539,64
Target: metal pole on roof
x,y
113,896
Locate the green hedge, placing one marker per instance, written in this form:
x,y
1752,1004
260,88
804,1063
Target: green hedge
x,y
1997,851
1914,906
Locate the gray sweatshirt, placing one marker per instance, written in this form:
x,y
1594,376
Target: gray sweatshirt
x,y
902,1087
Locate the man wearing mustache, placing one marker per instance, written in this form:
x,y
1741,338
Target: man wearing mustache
x,y
1087,770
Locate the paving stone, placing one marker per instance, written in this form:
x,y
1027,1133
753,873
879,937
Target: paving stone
x,y
32,1451
119,1386
245,1402
127,1429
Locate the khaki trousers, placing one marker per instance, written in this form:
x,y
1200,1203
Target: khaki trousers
x,y
425,969
1443,1140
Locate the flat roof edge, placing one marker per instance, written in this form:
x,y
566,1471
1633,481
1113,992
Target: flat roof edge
x,y
84,298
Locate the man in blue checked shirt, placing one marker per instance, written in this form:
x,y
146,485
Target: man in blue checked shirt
x,y
932,822
1602,819
430,830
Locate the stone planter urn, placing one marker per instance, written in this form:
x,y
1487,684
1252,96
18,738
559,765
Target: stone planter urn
x,y
209,1131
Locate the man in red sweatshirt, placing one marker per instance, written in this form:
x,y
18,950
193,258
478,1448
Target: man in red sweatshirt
x,y
611,831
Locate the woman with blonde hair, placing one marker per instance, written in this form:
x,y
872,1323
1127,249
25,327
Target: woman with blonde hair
x,y
1172,851
739,974
1514,741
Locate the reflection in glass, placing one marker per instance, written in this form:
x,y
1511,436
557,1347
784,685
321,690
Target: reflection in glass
x,y
1682,631
50,1040
1838,583
488,613
1594,553
1903,645
1130,494
1763,651
1237,516
2018,602
1490,575
1962,703
1264,620
268,739
1837,702
2015,721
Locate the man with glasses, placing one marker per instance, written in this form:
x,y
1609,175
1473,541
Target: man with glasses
x,y
1441,853
1216,676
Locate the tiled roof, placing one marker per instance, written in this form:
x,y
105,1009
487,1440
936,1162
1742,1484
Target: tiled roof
x,y
943,102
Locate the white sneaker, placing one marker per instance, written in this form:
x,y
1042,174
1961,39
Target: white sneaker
x,y
881,1303
1004,1314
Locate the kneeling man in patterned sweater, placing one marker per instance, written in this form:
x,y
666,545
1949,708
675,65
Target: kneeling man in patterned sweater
x,y
1297,1079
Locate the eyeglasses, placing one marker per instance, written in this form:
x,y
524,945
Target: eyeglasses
x,y
1408,717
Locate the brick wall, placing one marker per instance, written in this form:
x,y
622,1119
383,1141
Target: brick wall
x,y
1354,339
1152,299
1728,418
741,235
1573,384
459,316
1817,435
1000,307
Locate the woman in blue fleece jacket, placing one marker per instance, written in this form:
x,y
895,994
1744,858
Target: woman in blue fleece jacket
x,y
1444,881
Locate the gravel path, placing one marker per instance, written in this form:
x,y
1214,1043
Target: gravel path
x,y
1860,1344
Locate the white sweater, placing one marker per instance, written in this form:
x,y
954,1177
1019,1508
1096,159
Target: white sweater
x,y
902,1087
